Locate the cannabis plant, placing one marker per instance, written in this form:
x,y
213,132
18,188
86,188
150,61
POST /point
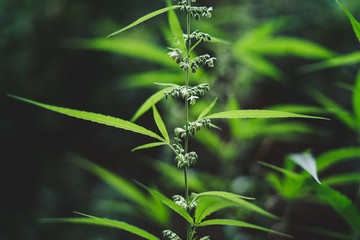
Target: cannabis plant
x,y
193,207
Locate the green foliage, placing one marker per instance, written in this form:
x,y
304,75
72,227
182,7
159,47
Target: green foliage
x,y
355,24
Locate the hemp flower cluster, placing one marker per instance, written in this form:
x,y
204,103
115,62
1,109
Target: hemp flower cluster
x,y
198,36
191,94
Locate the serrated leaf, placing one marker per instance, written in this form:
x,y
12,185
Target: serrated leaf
x,y
348,59
119,184
332,157
259,114
307,162
176,30
95,117
355,24
160,124
106,223
236,223
149,145
341,204
131,47
210,202
207,109
144,18
155,98
172,205
356,100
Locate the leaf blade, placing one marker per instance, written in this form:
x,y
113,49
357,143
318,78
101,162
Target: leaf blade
x,y
144,18
149,145
355,24
95,117
207,109
160,124
307,162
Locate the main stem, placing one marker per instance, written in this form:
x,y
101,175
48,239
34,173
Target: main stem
x,y
188,230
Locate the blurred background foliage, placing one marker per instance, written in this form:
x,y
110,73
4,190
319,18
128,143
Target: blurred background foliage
x,y
55,51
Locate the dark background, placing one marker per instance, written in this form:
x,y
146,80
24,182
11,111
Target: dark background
x,y
37,181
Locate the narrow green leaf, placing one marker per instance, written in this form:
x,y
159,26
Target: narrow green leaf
x,y
210,202
119,184
236,223
160,124
176,30
106,223
149,145
172,205
95,117
126,46
259,114
146,79
155,98
286,46
356,100
297,108
307,162
342,179
144,18
332,157
207,109
341,204
355,24
348,59
326,232
333,108
286,172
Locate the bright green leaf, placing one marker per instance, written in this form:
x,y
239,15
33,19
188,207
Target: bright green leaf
x,y
105,222
144,18
258,114
176,30
149,145
155,98
207,109
160,124
342,179
236,223
356,100
286,172
95,117
307,162
147,79
332,157
355,24
296,108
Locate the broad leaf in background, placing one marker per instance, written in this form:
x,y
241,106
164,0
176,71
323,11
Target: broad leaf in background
x,y
355,24
132,47
307,162
152,100
259,114
144,18
95,117
236,223
106,223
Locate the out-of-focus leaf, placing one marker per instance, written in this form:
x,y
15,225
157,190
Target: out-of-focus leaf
x,y
106,223
286,172
160,124
332,157
176,29
286,46
341,204
144,18
147,79
307,162
95,117
356,100
236,223
355,24
348,59
342,179
227,195
155,98
207,109
131,47
326,232
259,114
119,184
333,108
149,145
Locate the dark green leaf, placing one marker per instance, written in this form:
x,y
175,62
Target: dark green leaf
x,y
356,100
144,18
355,24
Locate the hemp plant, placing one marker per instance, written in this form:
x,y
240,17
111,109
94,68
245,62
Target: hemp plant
x,y
194,208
